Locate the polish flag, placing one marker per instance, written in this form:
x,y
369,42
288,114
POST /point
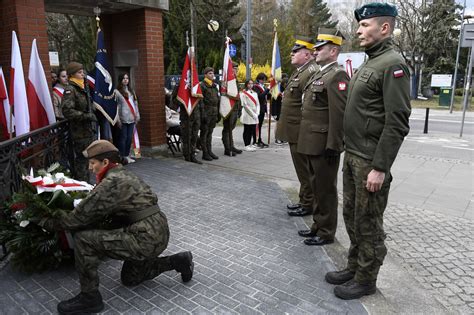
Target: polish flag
x,y
5,113
229,90
17,93
39,98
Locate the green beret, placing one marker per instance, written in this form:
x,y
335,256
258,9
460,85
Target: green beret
x,y
375,9
208,69
98,147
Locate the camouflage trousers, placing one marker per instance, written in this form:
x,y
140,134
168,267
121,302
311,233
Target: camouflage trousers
x,y
139,245
229,124
189,130
302,168
81,164
363,216
208,123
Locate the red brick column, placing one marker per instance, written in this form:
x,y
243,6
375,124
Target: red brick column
x,y
143,30
28,19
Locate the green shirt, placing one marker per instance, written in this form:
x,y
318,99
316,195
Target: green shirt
x,y
378,107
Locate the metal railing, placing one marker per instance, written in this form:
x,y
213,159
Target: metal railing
x,y
37,149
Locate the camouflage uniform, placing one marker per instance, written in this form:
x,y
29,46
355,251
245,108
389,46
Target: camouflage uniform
x,y
210,116
189,125
375,124
229,124
76,106
118,195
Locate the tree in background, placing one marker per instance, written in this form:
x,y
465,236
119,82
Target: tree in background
x,y
307,16
73,37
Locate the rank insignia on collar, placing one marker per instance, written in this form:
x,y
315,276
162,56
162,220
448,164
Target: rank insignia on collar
x,y
398,73
318,83
342,86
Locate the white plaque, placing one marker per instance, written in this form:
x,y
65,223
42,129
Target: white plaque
x,y
441,80
53,59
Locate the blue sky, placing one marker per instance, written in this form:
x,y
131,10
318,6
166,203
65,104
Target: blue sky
x,y
469,6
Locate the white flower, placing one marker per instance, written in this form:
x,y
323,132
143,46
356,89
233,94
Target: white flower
x,y
77,202
47,180
24,223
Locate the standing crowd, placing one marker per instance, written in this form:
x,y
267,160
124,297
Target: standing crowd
x,y
323,113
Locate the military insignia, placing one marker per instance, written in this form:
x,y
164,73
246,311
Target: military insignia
x,y
398,73
342,86
318,83
67,92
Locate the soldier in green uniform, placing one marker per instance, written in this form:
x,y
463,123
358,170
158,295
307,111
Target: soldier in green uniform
x,y
375,124
321,134
229,123
210,114
289,123
77,109
119,219
189,124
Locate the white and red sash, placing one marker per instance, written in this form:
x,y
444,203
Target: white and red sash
x,y
59,91
136,140
262,90
250,97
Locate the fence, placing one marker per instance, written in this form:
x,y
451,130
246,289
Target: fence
x,y
37,149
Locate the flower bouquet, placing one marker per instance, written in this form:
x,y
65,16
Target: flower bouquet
x,y
49,194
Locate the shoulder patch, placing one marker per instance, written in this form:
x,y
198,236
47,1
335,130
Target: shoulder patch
x,y
398,73
342,86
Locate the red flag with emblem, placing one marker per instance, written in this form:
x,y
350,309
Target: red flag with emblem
x,y
189,91
5,112
229,90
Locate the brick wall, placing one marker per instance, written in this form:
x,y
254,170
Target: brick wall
x,y
28,19
143,30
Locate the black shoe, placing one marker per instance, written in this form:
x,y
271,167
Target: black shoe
x,y
352,290
235,150
194,160
187,159
317,241
263,145
82,303
183,263
212,155
339,277
293,206
229,153
306,233
206,157
300,212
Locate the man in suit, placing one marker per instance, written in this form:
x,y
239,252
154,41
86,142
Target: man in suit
x,y
321,134
289,123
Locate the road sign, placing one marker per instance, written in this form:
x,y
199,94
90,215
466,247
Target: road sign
x,y
468,35
232,50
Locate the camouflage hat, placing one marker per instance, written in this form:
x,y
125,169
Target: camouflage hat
x,y
73,67
328,35
208,69
302,42
375,9
98,147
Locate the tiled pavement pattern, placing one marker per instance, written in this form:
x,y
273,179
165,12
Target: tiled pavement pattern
x,y
437,250
249,260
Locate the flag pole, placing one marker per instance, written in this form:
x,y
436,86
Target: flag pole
x,y
10,130
275,24
188,125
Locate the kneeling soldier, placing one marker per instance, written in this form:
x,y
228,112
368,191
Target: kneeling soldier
x,y
119,219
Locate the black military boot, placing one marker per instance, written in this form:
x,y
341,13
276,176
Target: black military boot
x,y
339,277
229,153
352,290
183,263
82,303
235,150
211,154
194,160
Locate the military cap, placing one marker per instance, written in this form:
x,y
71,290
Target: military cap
x,y
375,9
208,69
302,42
98,147
328,35
73,67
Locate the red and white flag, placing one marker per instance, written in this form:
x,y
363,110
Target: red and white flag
x,y
5,112
229,90
37,90
18,99
189,91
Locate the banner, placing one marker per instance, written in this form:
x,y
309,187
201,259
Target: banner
x,y
228,88
18,99
189,91
5,121
103,95
276,69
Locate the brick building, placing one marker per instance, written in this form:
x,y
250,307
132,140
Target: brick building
x,y
134,36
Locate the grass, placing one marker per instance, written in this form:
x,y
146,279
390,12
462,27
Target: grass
x,y
434,103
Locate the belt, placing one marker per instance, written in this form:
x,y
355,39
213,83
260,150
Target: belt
x,y
134,217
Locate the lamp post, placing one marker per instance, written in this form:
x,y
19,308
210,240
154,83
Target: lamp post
x,y
453,87
248,39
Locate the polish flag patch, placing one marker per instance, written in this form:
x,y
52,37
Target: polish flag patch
x,y
342,86
398,73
